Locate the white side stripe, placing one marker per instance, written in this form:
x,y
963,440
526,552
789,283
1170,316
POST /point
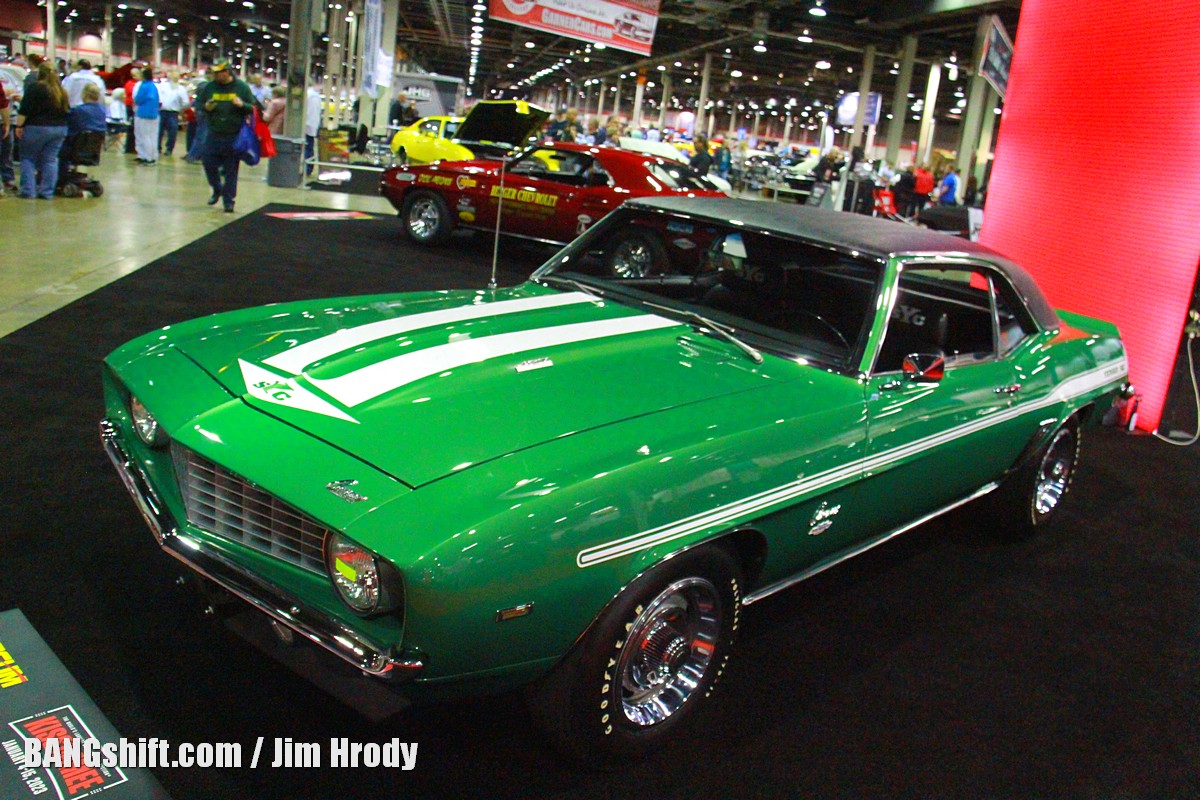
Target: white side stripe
x,y
297,358
370,382
1076,386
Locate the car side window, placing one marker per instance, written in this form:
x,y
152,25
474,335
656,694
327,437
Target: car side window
x,y
430,126
561,166
940,311
1014,325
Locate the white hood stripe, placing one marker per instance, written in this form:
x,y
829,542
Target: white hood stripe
x,y
377,379
297,358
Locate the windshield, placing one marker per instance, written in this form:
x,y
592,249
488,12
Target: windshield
x,y
774,291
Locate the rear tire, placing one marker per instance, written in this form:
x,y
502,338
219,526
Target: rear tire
x,y
636,254
426,217
1031,498
648,661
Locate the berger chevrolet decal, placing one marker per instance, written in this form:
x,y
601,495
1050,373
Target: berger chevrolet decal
x,y
526,196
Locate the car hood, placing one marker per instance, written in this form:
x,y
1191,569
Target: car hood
x,y
425,385
508,122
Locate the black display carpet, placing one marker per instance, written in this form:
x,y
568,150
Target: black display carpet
x,y
945,664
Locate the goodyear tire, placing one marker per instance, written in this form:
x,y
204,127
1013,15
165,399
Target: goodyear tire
x,y
636,254
1031,498
426,217
647,662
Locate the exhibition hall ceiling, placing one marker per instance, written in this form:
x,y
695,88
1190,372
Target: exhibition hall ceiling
x,y
435,35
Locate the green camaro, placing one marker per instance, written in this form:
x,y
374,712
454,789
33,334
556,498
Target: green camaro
x,y
578,483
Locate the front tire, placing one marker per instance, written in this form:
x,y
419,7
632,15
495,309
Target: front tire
x,y
426,218
1032,497
647,662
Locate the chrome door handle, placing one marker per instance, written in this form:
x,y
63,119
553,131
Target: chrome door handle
x,y
1012,389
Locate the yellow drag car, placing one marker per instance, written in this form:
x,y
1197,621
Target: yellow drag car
x,y
491,129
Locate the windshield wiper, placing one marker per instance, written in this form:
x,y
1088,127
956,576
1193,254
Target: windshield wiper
x,y
723,331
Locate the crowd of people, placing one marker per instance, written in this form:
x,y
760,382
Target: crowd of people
x,y
40,121
53,107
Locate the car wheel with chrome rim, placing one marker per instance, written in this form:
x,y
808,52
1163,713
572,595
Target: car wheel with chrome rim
x,y
426,217
647,661
636,254
1031,498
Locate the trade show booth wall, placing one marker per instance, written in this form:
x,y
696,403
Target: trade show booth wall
x,y
1096,178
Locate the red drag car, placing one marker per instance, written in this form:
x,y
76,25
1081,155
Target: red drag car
x,y
552,192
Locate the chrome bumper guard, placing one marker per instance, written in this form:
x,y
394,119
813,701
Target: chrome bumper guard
x,y
313,624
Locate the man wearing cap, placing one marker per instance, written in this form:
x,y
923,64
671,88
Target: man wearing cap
x,y
226,101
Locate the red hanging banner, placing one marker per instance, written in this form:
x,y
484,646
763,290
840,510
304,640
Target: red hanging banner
x,y
623,24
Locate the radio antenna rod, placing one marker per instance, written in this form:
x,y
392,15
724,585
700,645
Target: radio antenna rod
x,y
499,210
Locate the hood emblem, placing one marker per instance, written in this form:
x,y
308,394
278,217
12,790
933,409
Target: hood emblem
x,y
534,363
345,491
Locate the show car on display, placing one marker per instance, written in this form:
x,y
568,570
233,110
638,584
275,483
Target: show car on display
x,y
428,139
552,192
578,483
491,129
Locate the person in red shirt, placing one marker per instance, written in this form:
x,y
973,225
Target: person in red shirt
x,y
129,87
922,187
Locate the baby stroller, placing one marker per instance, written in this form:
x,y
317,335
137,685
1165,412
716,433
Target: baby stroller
x,y
82,150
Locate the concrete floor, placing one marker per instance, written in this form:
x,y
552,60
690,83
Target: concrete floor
x,y
59,250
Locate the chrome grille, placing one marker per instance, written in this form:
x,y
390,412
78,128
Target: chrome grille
x,y
231,507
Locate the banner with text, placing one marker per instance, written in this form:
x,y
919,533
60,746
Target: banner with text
x,y
624,24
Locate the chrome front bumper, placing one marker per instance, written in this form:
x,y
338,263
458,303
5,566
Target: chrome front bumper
x,y
311,623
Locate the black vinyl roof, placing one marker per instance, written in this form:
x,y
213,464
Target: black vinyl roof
x,y
871,237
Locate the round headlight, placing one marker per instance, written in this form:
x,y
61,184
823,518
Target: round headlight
x,y
354,573
144,424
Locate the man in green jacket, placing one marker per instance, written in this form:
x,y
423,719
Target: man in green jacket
x,y
226,101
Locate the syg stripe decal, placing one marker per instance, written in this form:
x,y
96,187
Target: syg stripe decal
x,y
377,379
297,358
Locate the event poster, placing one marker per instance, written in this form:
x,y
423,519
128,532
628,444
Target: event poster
x,y
623,24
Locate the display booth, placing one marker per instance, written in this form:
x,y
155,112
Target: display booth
x,y
1095,178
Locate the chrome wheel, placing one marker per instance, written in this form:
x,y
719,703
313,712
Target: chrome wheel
x,y
669,650
632,259
424,218
1054,473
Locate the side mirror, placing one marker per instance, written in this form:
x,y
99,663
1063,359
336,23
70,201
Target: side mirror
x,y
924,367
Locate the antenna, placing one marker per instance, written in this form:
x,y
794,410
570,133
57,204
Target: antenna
x,y
499,210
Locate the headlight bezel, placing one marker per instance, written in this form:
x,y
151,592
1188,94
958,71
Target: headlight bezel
x,y
354,569
145,425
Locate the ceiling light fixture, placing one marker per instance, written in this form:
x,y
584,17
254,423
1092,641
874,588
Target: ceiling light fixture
x,y
804,38
817,10
760,47
823,65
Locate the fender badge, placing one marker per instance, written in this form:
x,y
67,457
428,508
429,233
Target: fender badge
x,y
344,491
822,518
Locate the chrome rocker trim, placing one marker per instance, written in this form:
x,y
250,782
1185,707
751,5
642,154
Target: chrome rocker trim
x,y
311,623
845,555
